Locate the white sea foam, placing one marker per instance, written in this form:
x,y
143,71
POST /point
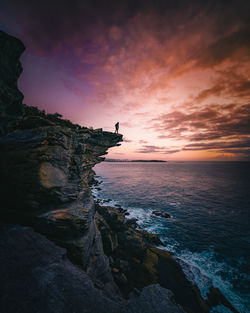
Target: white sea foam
x,y
201,268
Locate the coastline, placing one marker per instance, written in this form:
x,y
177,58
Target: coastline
x,y
167,270
60,251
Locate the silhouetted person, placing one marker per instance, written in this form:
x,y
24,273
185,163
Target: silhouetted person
x,y
116,127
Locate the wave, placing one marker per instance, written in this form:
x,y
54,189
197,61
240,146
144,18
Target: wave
x,y
201,268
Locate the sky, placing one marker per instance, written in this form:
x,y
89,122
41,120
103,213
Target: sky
x,y
175,74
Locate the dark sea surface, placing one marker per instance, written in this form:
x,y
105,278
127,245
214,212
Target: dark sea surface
x,y
209,228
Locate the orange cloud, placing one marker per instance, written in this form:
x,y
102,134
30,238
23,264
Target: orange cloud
x,y
177,77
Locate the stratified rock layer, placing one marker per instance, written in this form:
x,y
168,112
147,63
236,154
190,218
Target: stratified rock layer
x,y
46,167
36,276
137,263
10,97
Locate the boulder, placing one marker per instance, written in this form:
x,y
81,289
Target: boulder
x,y
161,214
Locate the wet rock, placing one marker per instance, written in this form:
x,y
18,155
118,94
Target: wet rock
x,y
132,222
215,297
106,200
152,239
172,277
143,264
161,214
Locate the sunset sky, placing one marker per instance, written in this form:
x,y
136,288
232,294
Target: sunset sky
x,y
175,74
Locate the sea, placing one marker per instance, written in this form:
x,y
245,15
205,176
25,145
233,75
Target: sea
x,y
209,227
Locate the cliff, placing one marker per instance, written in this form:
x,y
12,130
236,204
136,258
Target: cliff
x,y
59,251
46,167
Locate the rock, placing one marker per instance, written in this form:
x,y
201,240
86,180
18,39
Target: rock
x,y
113,217
106,200
124,266
147,264
11,108
152,239
153,299
120,278
215,297
111,260
36,276
161,214
46,165
172,277
132,222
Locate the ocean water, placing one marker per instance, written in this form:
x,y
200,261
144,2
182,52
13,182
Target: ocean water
x,y
209,228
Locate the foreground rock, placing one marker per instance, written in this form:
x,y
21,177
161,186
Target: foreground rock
x,y
137,263
46,168
36,276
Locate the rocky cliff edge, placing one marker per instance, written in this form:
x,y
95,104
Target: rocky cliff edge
x,y
46,167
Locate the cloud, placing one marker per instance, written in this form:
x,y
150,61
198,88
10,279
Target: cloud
x,y
126,124
206,123
236,44
127,140
178,69
206,93
242,152
228,83
156,149
218,145
143,141
72,87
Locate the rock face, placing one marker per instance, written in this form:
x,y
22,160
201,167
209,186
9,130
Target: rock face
x,y
46,167
36,276
65,253
136,263
10,97
48,170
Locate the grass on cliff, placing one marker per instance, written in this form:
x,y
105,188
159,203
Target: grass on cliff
x,y
32,111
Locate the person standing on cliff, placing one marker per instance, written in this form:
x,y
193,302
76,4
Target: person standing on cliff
x,y
116,127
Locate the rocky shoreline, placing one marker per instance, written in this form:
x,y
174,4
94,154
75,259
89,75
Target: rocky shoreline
x,y
137,260
59,250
